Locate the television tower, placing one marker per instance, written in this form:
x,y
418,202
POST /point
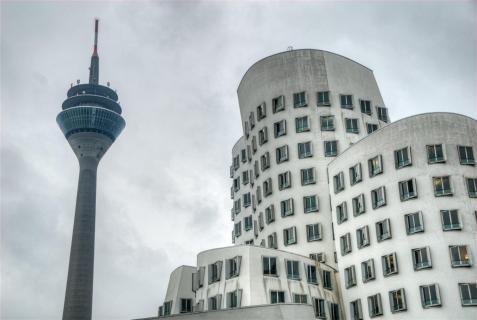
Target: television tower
x,y
91,121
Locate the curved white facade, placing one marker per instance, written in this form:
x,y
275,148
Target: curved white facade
x,y
425,214
287,74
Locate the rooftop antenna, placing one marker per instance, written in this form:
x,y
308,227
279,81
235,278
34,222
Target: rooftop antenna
x,y
94,66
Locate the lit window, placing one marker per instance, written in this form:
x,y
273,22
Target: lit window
x,y
282,154
397,300
319,307
284,180
302,124
186,305
365,106
262,136
374,305
307,176
310,204
323,98
356,310
472,187
408,189
277,297
402,157
272,241
270,214
358,205
299,99
468,294
280,128
286,207
371,127
435,153
345,244
327,283
341,212
355,174
460,256
289,236
265,161
442,186
450,220
293,271
466,155
278,104
270,266
362,237
350,277
421,258
267,187
346,101
304,150
351,125
375,166
261,111
248,223
327,123
389,263
313,232
378,197
331,148
300,298
382,114
367,270
414,222
383,230
338,182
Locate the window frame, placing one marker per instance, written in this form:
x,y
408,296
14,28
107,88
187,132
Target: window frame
x,y
468,160
402,294
399,158
331,153
452,226
302,124
417,262
278,104
327,123
390,264
324,100
348,101
410,222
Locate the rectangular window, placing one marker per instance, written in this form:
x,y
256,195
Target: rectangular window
x,y
356,310
442,186
245,179
261,221
234,299
397,300
421,258
351,125
402,157
167,308
186,305
331,148
334,311
327,123
272,241
389,263
293,271
248,222
313,232
460,256
280,128
371,127
375,307
299,99
383,230
468,294
236,162
267,187
320,257
365,106
282,154
362,237
323,98
414,222
341,212
265,161
346,101
319,307
307,176
270,214
300,298
310,204
277,297
284,180
435,153
256,169
311,274
338,182
270,266
262,136
302,124
472,187
355,174
261,111
350,277
304,150
375,166
408,189
345,244
466,155
243,155
382,114
236,184
278,104
251,120
254,144
246,200
214,272
258,194
214,302
378,197
238,229
289,236
232,267
359,205
327,283
367,270
286,207
450,220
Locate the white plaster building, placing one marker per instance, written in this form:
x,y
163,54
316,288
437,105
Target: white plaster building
x,y
323,185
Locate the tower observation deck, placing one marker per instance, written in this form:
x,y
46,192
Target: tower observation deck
x,y
91,121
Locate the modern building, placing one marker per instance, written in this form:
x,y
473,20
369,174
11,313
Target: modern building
x,y
91,121
322,178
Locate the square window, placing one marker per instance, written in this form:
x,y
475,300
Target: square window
x,y
365,106
286,207
293,271
310,204
270,266
359,205
383,230
355,174
327,123
346,101
421,258
313,232
280,128
375,166
408,189
378,197
382,114
460,256
278,104
351,125
402,157
466,155
186,305
289,236
468,294
320,257
302,124
299,99
414,222
435,153
304,150
397,300
232,267
367,270
371,127
331,148
284,180
389,263
282,154
323,98
277,297
450,220
442,186
338,182
300,298
307,176
362,237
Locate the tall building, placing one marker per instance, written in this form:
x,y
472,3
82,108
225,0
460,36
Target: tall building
x,y
338,213
91,121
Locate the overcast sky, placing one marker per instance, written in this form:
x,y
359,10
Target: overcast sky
x,y
163,187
